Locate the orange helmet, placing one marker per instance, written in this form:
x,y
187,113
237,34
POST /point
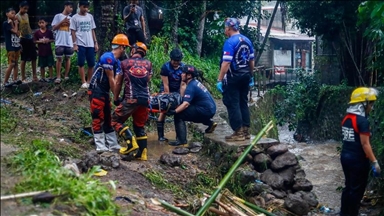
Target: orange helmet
x,y
120,39
140,45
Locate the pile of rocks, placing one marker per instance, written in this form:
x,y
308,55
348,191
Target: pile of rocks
x,y
277,177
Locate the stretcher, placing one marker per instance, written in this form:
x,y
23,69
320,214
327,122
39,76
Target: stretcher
x,y
161,103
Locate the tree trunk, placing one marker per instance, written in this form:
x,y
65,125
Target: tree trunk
x,y
200,31
175,29
267,33
105,24
147,32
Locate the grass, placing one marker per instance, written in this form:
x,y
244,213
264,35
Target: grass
x,y
41,169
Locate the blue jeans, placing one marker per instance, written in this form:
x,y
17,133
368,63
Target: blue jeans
x,y
86,53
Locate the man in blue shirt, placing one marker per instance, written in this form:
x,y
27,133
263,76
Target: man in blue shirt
x,y
198,106
234,78
170,82
102,81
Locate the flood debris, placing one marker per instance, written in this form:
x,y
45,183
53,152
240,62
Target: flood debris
x,y
124,198
45,197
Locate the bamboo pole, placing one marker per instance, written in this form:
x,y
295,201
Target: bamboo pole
x,y
174,209
252,206
28,194
238,162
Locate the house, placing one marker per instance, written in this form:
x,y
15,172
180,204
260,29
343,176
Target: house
x,y
284,51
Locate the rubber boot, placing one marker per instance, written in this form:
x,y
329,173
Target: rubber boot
x,y
100,142
112,143
129,139
181,133
160,131
142,152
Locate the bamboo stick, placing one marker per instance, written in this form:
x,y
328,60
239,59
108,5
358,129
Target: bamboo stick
x,y
238,162
254,207
174,209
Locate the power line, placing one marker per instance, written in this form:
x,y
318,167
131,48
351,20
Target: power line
x,y
165,9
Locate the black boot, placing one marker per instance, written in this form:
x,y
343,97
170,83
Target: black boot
x,y
181,133
142,153
160,131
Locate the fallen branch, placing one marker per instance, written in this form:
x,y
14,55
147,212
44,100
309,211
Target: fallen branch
x,y
22,195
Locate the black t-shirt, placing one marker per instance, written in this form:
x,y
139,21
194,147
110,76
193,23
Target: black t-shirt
x,y
174,76
354,125
12,41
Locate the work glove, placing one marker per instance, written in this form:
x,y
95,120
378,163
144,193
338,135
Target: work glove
x,y
118,101
171,112
376,169
252,82
219,86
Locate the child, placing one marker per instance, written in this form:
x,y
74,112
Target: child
x,y
29,48
84,41
43,38
12,45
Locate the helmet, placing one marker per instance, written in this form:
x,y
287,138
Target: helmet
x,y
176,54
189,69
120,39
142,46
363,94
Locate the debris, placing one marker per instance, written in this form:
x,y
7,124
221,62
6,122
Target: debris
x,y
22,195
65,95
74,94
3,101
37,94
124,198
100,173
87,131
73,167
44,197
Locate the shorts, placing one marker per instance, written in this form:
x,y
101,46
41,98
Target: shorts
x,y
29,51
13,57
46,61
61,51
86,53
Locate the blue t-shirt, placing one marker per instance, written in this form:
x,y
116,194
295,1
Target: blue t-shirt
x,y
198,95
100,79
238,50
174,76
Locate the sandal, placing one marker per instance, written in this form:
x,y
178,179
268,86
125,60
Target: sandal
x,y
58,81
66,78
18,82
42,80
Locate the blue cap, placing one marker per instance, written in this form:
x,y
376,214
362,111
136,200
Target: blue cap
x,y
232,22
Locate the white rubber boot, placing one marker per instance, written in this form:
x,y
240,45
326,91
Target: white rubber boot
x,y
100,142
111,139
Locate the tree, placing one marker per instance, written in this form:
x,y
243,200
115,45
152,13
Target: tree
x,y
335,21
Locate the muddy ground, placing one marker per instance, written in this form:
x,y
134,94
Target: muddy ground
x,y
59,119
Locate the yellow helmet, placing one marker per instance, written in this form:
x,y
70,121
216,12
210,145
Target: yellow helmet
x,y
363,94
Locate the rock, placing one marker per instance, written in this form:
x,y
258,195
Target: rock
x,y
195,150
284,160
310,198
272,179
300,173
262,162
246,176
279,194
277,150
258,188
255,151
180,151
296,204
110,159
302,184
195,145
170,160
288,176
268,197
265,143
91,159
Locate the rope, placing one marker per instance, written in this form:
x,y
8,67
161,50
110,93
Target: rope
x,y
164,9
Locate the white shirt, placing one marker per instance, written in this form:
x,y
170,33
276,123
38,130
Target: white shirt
x,y
63,34
83,25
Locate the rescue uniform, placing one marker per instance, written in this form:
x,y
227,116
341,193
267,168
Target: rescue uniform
x,y
238,50
99,98
174,77
201,109
355,164
136,73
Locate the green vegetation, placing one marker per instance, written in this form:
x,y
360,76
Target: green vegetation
x,y
41,169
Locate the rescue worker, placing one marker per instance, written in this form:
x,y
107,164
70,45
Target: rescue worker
x,y
171,78
234,79
198,106
356,154
102,81
136,73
